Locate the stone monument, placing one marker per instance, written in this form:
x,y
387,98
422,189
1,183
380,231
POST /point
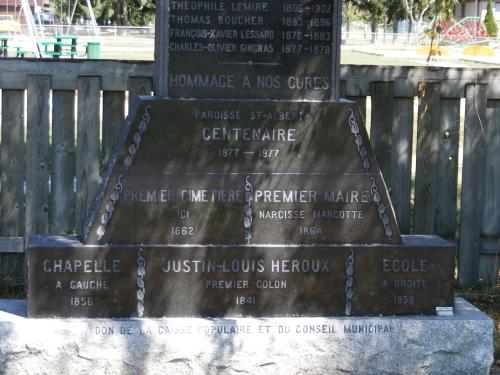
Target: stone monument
x,y
247,189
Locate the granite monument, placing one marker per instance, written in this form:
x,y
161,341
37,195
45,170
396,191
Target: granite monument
x,y
245,188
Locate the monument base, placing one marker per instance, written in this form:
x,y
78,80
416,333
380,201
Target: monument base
x,y
462,344
68,279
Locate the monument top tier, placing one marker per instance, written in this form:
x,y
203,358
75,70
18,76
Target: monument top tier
x,y
252,49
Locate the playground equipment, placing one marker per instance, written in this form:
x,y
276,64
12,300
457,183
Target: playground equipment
x,y
479,51
469,30
468,33
92,17
36,29
35,37
71,15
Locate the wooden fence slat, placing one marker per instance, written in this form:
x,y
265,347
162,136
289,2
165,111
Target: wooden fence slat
x,y
88,146
112,121
138,86
361,100
12,161
161,53
65,72
382,94
37,155
11,245
489,265
490,223
427,160
447,168
62,203
401,159
491,247
472,175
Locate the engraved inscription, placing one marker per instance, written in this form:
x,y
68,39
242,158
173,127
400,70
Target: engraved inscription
x,y
214,328
262,173
406,283
236,280
227,43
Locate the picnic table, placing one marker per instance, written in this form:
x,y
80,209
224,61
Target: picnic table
x,y
51,49
22,52
4,43
69,41
62,45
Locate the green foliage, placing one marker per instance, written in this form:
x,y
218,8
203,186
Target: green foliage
x,y
396,9
351,14
441,10
424,10
374,7
444,9
489,21
117,12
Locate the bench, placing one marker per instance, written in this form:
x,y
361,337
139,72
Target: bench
x,y
55,52
67,44
21,52
4,42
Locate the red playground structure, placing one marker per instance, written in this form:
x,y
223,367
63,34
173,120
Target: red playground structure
x,y
469,30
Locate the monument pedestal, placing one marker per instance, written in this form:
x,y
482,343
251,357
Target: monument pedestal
x,y
68,279
461,344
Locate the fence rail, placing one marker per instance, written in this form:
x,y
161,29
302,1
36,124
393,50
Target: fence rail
x,y
60,120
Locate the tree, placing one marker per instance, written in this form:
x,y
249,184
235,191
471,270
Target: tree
x,y
396,11
417,11
441,10
489,21
375,8
118,12
420,11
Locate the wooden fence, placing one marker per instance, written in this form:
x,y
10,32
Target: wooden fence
x,y
45,103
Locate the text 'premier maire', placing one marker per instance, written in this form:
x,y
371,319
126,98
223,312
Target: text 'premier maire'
x,y
238,196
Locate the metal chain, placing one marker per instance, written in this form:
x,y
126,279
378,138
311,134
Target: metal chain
x,y
358,139
141,289
115,195
248,219
384,218
349,292
110,208
363,153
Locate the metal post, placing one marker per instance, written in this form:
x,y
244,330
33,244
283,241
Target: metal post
x,y
92,17
336,42
31,26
